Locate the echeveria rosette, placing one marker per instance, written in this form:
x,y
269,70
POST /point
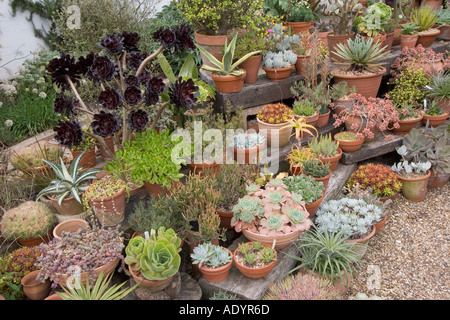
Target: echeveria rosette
x,y
112,44
132,95
134,251
274,225
110,99
69,133
168,235
298,217
137,119
160,260
184,93
246,213
64,104
62,68
105,124
102,69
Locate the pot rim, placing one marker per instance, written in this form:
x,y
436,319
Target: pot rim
x,y
248,268
119,193
336,137
361,76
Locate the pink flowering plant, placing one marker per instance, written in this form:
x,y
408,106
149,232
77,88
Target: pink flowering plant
x,y
272,211
373,112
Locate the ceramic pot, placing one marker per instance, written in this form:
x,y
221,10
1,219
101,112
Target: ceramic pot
x,y
415,189
426,38
228,83
150,285
225,218
333,41
408,41
314,206
278,74
212,44
54,296
435,121
362,124
298,27
33,289
334,161
251,67
323,37
216,274
393,197
349,145
270,131
323,119
311,120
69,206
258,272
365,84
435,4
69,226
295,170
362,244
88,160
197,168
299,63
437,179
248,156
406,125
281,241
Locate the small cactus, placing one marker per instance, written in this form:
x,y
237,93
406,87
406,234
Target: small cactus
x,y
275,113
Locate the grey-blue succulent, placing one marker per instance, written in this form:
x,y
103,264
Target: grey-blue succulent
x,y
247,141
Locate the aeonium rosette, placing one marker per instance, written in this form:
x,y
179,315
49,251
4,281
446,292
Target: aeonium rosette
x,y
271,211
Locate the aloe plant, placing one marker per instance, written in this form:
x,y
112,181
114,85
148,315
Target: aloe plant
x,y
226,66
424,17
71,181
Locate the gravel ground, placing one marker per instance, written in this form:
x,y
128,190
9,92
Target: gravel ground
x,y
411,252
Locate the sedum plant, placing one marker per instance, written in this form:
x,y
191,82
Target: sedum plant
x,y
275,113
410,88
324,146
29,220
255,255
210,255
310,189
248,140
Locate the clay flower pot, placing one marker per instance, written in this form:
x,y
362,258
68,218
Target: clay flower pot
x,y
33,289
197,168
361,248
426,38
150,285
349,145
69,226
388,41
251,67
248,156
408,41
216,274
415,189
334,161
445,33
225,218
281,241
323,119
295,170
380,224
341,105
324,180
35,241
278,74
437,179
314,206
311,120
298,27
257,272
212,44
362,124
88,160
406,125
270,130
435,121
299,63
69,206
228,83
365,84
333,41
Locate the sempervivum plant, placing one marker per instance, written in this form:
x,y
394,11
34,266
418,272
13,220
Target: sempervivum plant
x,y
210,255
274,113
271,211
380,178
87,249
127,88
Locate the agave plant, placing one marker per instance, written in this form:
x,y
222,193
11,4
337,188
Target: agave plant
x,y
71,181
226,66
361,54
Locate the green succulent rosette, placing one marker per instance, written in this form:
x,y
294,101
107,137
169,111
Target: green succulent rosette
x,y
160,260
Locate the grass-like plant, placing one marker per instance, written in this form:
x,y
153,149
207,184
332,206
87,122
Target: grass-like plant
x,y
424,17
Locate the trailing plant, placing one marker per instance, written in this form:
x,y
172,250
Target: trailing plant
x,y
86,248
306,186
324,146
424,17
102,189
410,88
29,220
297,156
274,113
302,287
380,178
210,255
316,168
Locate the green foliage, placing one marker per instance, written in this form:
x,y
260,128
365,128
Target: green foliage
x,y
409,89
374,19
409,29
424,17
434,109
223,295
274,113
304,108
315,168
301,14
443,17
310,189
14,191
341,13
440,86
318,96
324,146
210,255
248,42
341,90
216,17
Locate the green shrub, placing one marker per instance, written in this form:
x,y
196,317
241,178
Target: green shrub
x,y
409,89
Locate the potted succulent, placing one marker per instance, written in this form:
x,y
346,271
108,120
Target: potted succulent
x,y
349,141
340,93
408,36
65,191
107,198
311,190
380,178
408,118
318,170
326,149
214,261
410,88
87,147
414,176
30,223
271,213
361,70
374,20
434,114
303,51
271,119
69,226
444,24
425,18
226,76
440,90
369,116
307,110
255,260
153,261
300,18
297,156
247,147
87,252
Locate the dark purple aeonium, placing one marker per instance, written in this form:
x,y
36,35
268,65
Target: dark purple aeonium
x,y
137,119
69,133
64,104
105,124
156,85
110,99
102,69
113,44
130,40
132,95
175,39
63,68
183,93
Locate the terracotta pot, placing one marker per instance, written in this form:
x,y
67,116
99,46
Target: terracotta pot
x,y
279,74
427,38
281,241
362,124
380,224
248,156
212,44
33,289
406,125
197,168
323,36
334,161
54,296
435,4
314,206
324,180
311,120
69,206
444,104
388,41
216,274
332,43
361,248
393,197
341,105
298,27
295,170
109,211
435,121
408,41
258,272
445,33
415,189
155,190
251,67
225,218
107,269
429,67
36,241
323,119
88,160
349,145
299,63
380,38
365,84
437,179
109,141
229,83
69,226
396,40
271,130
150,285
